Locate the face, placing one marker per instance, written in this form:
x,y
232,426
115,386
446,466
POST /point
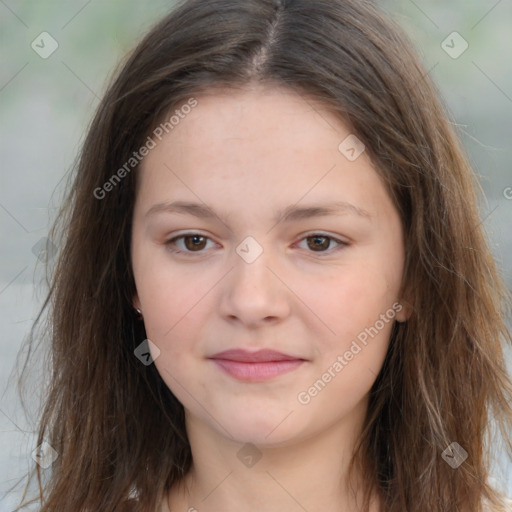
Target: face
x,y
293,246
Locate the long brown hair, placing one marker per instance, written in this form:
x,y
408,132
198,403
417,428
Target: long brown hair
x,y
116,426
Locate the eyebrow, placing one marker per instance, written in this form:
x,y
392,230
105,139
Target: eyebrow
x,y
289,214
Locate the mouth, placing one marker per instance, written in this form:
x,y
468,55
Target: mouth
x,y
255,366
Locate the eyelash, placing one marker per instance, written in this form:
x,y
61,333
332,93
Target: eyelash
x,y
171,241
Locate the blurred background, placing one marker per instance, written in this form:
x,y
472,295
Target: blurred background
x,y
56,59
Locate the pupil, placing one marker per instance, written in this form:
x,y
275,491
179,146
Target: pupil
x,y
325,245
196,243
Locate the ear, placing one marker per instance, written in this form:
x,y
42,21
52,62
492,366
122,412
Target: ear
x,y
403,311
404,305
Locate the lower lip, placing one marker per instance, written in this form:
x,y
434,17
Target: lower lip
x,y
257,372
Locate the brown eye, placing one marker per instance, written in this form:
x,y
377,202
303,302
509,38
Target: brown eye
x,y
320,243
192,243
196,243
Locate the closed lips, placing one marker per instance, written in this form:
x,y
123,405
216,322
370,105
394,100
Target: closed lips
x,y
260,356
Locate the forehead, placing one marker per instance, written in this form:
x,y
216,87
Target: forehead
x,y
248,133
257,114
257,147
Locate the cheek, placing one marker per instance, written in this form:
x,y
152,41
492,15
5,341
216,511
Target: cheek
x,y
349,360
348,300
176,305
168,291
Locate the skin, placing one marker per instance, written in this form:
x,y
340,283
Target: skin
x,y
247,154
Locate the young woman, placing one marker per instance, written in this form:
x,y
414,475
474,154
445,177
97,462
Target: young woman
x,y
274,291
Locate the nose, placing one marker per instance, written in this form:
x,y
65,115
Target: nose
x,y
254,293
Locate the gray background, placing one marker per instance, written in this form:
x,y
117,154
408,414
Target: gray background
x,y
46,105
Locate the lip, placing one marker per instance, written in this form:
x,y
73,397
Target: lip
x,y
255,366
260,356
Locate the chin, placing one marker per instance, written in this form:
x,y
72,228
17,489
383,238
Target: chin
x,y
268,430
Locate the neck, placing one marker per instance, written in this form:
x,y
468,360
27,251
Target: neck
x,y
306,474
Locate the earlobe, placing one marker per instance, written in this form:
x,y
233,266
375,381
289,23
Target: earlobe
x,y
404,312
136,301
137,307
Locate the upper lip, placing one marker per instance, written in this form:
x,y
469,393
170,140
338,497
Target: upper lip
x,y
245,356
